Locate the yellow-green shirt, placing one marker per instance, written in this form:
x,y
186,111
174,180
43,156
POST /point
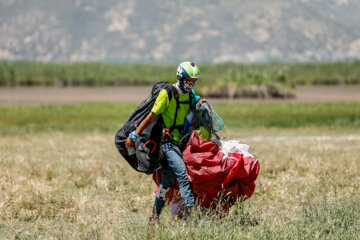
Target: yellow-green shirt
x,y
168,108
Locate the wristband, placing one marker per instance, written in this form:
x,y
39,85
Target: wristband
x,y
133,136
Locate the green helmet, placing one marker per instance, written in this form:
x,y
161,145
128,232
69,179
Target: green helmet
x,y
187,69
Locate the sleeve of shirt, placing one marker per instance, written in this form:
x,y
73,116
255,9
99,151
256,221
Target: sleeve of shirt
x,y
161,102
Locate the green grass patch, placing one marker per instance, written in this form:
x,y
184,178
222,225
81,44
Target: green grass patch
x,y
345,115
109,117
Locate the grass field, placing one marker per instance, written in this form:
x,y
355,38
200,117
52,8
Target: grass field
x,y
108,117
61,176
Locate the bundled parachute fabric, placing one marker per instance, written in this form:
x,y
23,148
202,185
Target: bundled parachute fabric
x,y
228,171
219,175
148,148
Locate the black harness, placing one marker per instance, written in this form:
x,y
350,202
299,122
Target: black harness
x,y
167,137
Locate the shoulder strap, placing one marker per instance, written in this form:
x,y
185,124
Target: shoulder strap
x,y
171,91
192,98
176,94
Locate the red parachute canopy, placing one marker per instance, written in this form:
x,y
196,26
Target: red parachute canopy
x,y
217,178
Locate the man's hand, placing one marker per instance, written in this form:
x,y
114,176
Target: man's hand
x,y
144,124
198,105
129,143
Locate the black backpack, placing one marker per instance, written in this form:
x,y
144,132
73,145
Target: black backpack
x,y
149,153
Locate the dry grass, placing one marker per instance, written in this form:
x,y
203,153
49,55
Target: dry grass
x,y
75,186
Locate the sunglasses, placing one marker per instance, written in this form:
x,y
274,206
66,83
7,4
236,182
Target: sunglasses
x,y
190,80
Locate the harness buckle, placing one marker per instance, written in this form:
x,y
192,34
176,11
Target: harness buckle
x,y
166,134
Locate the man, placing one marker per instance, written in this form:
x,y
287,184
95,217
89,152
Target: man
x,y
187,75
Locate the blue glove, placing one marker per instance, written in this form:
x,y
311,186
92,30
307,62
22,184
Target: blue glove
x,y
133,136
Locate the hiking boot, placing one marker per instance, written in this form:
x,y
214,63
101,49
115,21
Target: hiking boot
x,y
186,213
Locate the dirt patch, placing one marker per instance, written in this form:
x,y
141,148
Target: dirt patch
x,y
308,94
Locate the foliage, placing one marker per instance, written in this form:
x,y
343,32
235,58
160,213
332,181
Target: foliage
x,y
100,74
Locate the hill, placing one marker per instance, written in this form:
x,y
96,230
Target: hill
x,y
167,31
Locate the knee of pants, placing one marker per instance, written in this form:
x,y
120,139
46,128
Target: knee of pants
x,y
162,192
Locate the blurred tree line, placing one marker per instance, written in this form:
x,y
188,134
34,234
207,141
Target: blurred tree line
x,y
22,73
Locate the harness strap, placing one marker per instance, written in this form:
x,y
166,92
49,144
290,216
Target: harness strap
x,y
189,102
167,131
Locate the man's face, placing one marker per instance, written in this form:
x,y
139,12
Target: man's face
x,y
189,83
